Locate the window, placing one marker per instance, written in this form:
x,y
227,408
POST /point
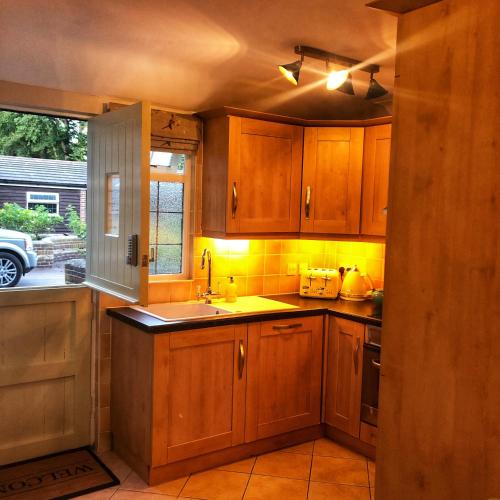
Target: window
x,y
112,204
48,200
169,215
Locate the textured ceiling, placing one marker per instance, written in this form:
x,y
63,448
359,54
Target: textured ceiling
x,y
197,54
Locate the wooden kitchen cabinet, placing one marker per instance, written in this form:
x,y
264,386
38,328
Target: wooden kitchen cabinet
x,y
344,375
283,376
376,159
251,177
177,395
198,392
331,183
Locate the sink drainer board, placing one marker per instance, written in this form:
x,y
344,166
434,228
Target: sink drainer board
x,y
67,474
173,311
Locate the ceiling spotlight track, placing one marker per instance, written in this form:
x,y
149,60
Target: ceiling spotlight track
x,y
337,80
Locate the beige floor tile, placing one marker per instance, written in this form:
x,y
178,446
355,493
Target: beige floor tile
x,y
289,465
304,448
327,448
216,485
135,483
240,466
140,495
371,473
100,495
328,491
275,488
340,471
116,464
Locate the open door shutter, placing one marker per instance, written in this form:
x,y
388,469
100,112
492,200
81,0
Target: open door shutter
x,y
118,202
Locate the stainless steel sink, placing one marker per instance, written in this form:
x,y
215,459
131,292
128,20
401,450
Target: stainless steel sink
x,y
174,311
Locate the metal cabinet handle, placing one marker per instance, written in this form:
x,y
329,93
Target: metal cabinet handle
x,y
307,208
376,364
287,327
356,356
235,200
241,359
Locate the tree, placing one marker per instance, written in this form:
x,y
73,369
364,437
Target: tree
x,y
39,136
34,222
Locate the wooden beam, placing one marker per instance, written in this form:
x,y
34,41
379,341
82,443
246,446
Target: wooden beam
x,y
400,6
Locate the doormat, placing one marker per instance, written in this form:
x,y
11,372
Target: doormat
x,y
62,475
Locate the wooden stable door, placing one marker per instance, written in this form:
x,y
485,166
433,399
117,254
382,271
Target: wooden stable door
x,y
45,398
331,184
265,166
344,375
284,376
376,158
199,395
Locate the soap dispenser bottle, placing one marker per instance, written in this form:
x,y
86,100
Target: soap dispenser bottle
x,y
231,295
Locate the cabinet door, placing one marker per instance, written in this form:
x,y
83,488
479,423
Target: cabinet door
x,y
376,159
265,169
199,392
284,376
331,185
344,375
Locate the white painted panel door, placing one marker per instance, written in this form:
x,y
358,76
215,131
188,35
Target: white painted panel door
x,y
118,202
45,370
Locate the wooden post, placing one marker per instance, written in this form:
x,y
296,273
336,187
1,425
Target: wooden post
x,y
440,392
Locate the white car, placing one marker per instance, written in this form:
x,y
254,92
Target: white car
x,y
16,256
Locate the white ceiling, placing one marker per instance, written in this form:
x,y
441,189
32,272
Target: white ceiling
x,y
197,54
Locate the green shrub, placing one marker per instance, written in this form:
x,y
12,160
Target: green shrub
x,y
75,223
34,222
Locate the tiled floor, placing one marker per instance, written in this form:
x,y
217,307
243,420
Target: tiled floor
x,y
318,470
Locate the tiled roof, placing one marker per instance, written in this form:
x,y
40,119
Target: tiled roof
x,y
19,170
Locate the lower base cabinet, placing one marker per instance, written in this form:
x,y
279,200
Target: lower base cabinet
x,y
344,375
283,376
181,395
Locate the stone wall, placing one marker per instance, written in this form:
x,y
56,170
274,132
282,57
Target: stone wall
x,y
58,248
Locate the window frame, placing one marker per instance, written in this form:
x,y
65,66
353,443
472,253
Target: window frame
x,y
186,179
56,203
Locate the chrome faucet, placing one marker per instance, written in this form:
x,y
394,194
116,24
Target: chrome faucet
x,y
209,293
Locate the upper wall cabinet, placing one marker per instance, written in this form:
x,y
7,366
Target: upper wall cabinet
x,y
377,152
251,177
331,184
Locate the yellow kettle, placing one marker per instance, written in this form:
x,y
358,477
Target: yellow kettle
x,y
356,286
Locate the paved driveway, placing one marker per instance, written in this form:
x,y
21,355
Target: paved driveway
x,y
43,277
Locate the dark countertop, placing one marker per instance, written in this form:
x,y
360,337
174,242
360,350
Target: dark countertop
x,y
355,311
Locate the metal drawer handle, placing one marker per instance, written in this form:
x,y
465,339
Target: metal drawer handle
x,y
235,200
241,359
308,202
287,327
376,364
356,356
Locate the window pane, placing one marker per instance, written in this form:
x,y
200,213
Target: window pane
x,y
164,162
153,195
112,204
153,227
169,228
171,197
169,259
51,207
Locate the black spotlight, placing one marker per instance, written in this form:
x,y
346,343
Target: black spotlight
x,y
347,87
375,89
291,71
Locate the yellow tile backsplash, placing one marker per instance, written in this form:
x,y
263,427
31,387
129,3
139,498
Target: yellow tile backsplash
x,y
262,266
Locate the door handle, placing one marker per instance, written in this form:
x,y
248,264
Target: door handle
x,y
234,206
307,208
356,356
287,327
376,364
241,359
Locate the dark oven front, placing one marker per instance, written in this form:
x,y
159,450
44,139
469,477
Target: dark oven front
x,y
371,376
